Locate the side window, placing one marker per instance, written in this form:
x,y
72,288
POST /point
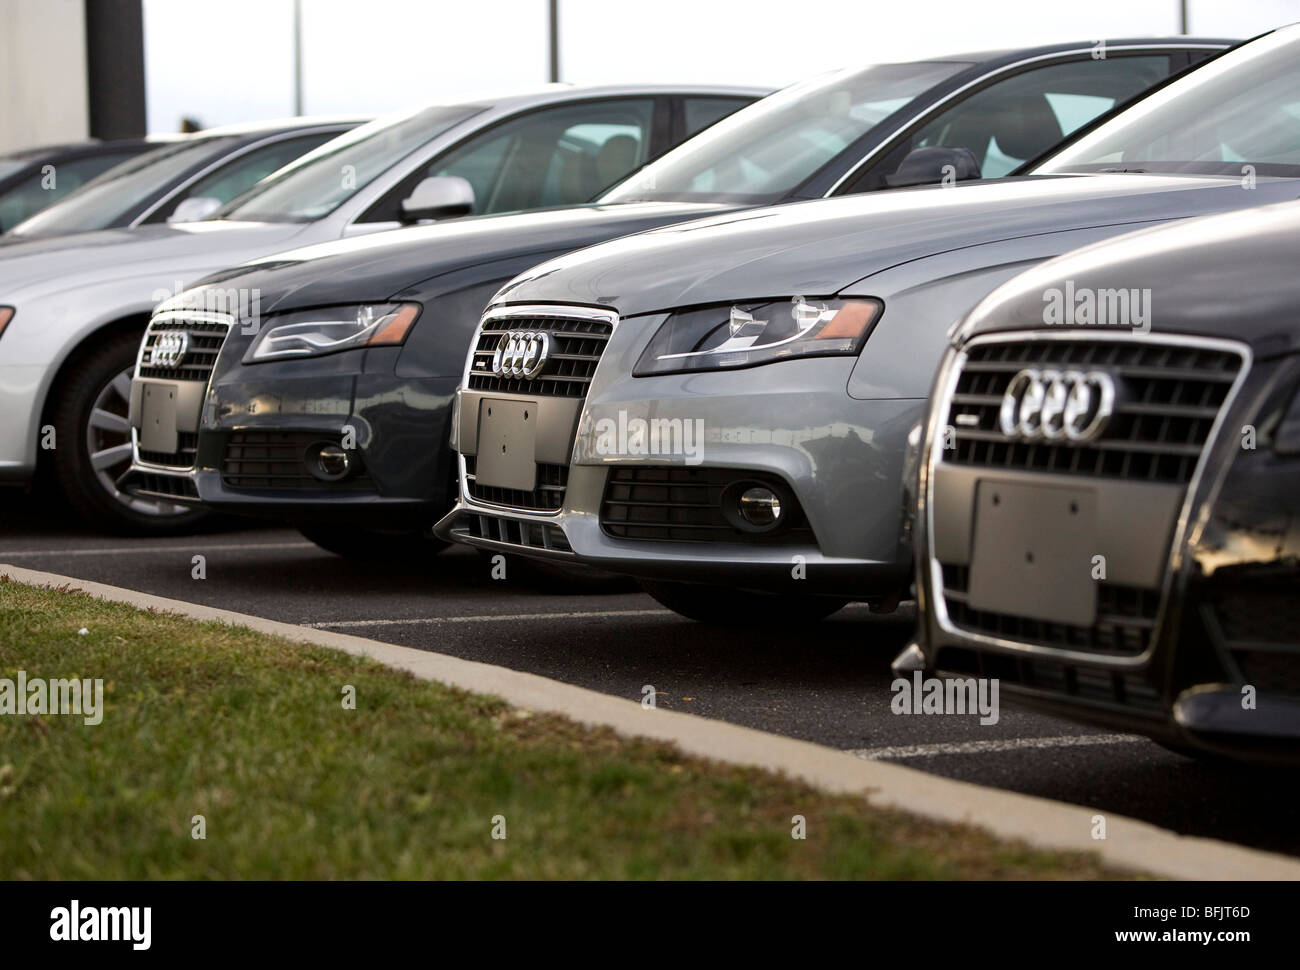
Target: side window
x,y
702,112
1022,116
562,155
242,173
38,191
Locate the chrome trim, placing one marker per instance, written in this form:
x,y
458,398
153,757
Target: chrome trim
x,y
535,310
985,78
506,312
945,387
202,316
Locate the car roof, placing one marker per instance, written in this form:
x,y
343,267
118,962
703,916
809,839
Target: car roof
x,y
1011,54
277,125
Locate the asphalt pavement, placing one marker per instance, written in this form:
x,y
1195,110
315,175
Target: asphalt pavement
x,y
827,683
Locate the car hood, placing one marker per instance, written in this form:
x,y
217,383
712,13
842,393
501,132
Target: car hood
x,y
186,249
824,247
383,265
1231,275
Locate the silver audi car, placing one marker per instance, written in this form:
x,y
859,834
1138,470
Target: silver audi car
x,y
722,407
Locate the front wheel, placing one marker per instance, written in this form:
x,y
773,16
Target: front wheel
x,y
92,443
724,606
370,546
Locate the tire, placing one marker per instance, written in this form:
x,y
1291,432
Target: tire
x,y
88,411
723,606
370,546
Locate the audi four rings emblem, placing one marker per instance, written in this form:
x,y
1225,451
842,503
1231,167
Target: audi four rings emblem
x,y
169,348
522,354
1053,405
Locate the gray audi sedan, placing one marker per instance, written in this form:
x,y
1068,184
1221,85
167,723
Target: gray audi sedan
x,y
722,407
1107,509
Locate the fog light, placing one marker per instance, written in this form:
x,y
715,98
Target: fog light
x,y
760,507
329,462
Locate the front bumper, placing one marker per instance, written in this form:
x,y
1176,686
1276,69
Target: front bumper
x,y
792,423
258,428
1217,668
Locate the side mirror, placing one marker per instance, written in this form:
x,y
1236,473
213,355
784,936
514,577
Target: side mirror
x,y
439,197
194,208
930,166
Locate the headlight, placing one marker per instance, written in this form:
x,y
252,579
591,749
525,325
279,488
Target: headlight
x,y
723,337
311,333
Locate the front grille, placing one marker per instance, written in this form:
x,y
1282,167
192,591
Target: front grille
x,y
576,346
187,446
685,505
1126,619
206,338
547,496
1131,692
275,459
154,485
1168,397
528,535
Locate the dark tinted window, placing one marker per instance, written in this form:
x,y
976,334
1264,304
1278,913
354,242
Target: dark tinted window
x,y
244,171
562,155
1021,116
51,183
702,112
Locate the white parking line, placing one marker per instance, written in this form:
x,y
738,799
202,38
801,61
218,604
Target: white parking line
x,y
350,624
986,747
148,549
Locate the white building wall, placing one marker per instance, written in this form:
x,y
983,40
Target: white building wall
x,y
42,73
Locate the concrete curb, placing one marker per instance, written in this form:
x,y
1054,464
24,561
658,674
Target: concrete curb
x,y
1039,822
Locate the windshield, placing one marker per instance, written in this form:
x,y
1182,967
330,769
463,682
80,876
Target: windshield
x,y
1241,110
763,152
322,180
10,165
104,200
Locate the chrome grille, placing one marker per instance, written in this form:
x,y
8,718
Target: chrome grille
x,y
1169,395
547,496
1170,392
1126,619
577,344
187,448
207,333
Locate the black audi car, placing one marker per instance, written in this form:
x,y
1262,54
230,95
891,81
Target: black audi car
x,y
343,428
33,179
1108,515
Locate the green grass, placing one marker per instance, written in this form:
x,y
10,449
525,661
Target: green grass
x,y
250,732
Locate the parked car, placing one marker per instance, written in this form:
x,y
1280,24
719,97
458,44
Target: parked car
x,y
348,439
184,179
1107,516
79,304
35,178
722,407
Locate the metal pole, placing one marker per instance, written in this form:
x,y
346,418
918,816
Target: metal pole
x,y
1182,16
297,57
555,39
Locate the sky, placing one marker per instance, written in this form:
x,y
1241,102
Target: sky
x,y
227,61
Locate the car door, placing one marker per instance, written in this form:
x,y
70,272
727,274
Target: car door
x,y
550,156
1018,115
